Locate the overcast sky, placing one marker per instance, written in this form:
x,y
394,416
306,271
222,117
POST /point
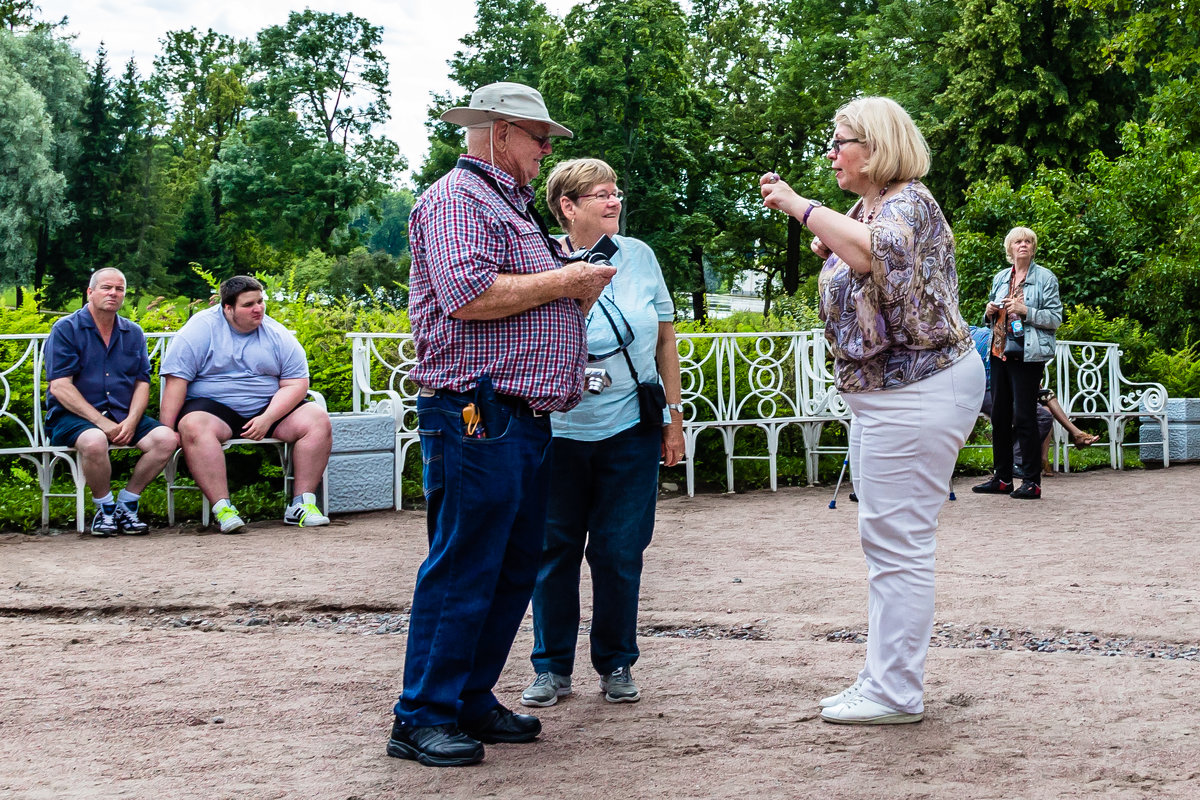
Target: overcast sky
x,y
419,36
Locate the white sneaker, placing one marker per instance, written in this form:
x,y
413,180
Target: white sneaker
x,y
860,710
229,520
305,513
842,696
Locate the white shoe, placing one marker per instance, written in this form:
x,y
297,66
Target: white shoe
x,y
842,696
305,513
860,710
228,519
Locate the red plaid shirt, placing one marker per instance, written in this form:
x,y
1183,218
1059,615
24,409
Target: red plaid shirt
x,y
462,235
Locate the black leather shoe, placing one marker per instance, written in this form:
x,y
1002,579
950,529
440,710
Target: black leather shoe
x,y
434,745
501,725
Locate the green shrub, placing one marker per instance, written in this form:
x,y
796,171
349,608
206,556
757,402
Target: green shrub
x,y
1178,371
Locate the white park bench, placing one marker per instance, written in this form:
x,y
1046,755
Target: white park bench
x,y
770,380
23,434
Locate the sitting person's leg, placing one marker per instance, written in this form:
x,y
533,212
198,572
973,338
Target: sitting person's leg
x,y
201,434
307,428
1079,437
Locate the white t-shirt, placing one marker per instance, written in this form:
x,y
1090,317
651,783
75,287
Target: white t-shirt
x,y
239,370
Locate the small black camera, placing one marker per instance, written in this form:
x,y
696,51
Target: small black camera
x,y
599,253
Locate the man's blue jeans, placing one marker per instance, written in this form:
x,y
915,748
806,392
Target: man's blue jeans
x,y
487,506
602,497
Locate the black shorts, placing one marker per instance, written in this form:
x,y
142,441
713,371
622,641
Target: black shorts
x,y
234,420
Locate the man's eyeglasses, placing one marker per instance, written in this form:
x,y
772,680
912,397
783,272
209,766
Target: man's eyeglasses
x,y
623,339
836,144
542,141
604,197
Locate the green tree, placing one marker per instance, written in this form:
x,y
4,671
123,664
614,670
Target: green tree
x,y
93,188
327,70
384,226
198,242
291,192
43,85
139,242
198,85
1122,235
1029,86
619,75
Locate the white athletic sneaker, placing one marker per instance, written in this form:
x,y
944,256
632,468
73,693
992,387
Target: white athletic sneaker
x,y
859,710
229,520
842,696
305,513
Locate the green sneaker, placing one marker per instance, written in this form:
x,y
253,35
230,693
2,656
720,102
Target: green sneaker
x,y
227,517
618,686
545,690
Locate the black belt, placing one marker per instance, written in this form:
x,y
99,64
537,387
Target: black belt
x,y
517,405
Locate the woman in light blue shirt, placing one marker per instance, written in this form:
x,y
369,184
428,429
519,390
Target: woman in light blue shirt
x,y
603,457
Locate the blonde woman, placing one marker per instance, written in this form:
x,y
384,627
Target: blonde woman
x,y
906,366
1024,310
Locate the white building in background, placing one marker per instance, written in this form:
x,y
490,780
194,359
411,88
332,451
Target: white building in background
x,y
744,296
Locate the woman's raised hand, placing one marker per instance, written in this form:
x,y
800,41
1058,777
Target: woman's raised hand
x,y
777,194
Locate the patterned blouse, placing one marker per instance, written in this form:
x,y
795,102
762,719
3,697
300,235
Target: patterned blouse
x,y
899,323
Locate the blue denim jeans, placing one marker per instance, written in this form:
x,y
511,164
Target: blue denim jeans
x,y
487,505
602,497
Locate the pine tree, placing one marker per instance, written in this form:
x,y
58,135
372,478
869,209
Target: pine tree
x,y
198,242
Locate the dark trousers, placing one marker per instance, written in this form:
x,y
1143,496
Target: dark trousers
x,y
486,517
1015,385
602,497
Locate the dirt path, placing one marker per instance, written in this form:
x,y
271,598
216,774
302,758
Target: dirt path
x,y
191,665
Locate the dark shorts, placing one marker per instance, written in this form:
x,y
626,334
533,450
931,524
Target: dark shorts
x,y
66,429
234,420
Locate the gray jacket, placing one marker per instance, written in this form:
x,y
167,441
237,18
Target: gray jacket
x,y
1045,310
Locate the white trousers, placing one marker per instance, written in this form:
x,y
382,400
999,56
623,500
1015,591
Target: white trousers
x,y
903,446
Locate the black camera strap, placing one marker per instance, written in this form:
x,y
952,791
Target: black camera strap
x,y
624,350
529,213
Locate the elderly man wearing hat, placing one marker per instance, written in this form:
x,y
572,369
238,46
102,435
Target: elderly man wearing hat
x,y
496,316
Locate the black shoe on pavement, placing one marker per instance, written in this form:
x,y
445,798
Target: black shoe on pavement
x,y
503,726
434,745
1028,491
993,486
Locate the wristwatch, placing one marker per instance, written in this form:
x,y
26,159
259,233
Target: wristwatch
x,y
675,407
811,205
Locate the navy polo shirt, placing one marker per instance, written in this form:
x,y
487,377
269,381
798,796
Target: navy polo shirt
x,y
105,376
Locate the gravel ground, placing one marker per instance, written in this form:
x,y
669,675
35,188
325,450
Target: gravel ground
x,y
186,664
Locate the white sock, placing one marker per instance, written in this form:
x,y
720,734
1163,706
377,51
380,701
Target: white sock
x,y
101,502
128,498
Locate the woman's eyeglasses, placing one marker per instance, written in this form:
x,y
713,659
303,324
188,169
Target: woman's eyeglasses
x,y
604,197
836,144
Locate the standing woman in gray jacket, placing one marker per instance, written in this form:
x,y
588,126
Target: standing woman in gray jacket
x,y
1024,310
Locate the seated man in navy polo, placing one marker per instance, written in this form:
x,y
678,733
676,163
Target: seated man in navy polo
x,y
232,371
99,374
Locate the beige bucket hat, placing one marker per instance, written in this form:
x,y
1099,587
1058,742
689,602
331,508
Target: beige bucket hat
x,y
505,101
